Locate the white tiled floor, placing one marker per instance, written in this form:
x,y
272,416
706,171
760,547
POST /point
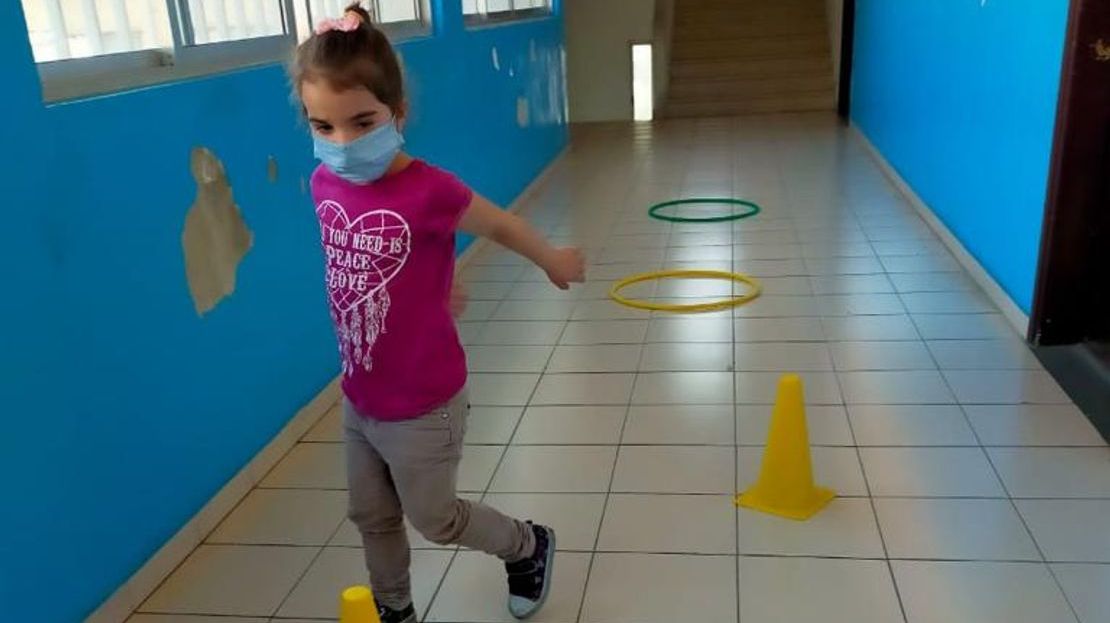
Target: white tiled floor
x,y
972,490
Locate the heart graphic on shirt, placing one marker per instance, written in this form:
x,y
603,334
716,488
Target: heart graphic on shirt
x,y
364,254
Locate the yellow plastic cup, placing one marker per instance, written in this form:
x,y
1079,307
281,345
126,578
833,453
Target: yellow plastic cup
x,y
356,605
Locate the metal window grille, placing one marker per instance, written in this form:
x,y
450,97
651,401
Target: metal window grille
x,y
478,11
93,46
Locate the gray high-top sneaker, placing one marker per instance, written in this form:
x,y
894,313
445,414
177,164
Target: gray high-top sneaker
x,y
530,579
389,615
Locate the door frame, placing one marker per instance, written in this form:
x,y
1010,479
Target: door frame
x,y
847,52
1079,183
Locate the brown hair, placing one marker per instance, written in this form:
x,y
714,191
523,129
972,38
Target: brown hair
x,y
345,60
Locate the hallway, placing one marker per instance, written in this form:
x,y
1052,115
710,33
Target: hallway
x,y
972,490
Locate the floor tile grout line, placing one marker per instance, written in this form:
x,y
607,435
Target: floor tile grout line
x,y
205,539
995,559
650,493
1006,489
300,578
613,470
889,446
749,445
604,510
493,474
867,482
735,434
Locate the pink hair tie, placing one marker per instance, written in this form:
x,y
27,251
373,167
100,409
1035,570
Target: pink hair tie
x,y
348,23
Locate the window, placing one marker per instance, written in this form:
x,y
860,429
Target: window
x,y
67,29
400,19
385,12
217,34
482,11
85,47
214,21
398,11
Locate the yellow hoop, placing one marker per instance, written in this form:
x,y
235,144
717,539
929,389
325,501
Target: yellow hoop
x,y
692,308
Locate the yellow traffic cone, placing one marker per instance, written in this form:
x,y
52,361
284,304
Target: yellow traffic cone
x,y
356,605
785,486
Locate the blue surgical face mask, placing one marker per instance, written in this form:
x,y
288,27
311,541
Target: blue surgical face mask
x,y
364,159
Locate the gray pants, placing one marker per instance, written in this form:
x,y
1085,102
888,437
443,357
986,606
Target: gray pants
x,y
410,469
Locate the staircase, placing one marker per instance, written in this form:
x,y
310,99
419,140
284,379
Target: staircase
x,y
733,57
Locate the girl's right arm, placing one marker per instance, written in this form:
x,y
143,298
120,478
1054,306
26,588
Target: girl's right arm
x,y
563,266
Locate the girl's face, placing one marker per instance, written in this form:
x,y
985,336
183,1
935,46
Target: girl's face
x,y
342,116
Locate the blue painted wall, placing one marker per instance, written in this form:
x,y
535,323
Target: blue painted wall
x,y
123,412
960,97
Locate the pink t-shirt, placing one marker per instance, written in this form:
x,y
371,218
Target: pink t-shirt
x,y
390,256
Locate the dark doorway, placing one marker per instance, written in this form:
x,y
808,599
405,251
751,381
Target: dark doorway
x,y
1071,306
847,48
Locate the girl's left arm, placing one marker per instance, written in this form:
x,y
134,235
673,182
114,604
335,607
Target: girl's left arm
x,y
563,266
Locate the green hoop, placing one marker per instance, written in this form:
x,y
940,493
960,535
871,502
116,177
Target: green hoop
x,y
654,210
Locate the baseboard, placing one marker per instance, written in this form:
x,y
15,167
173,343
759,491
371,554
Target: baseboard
x,y
997,295
128,597
1083,370
515,207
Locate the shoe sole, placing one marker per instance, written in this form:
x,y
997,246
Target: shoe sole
x,y
549,573
410,619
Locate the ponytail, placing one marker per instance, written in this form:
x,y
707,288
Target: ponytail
x,y
351,52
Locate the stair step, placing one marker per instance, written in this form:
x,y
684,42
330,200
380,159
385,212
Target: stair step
x,y
693,6
721,107
686,5
762,12
751,68
738,30
734,57
708,88
763,47
698,4
813,91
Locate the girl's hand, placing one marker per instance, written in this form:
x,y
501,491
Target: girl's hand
x,y
565,266
459,298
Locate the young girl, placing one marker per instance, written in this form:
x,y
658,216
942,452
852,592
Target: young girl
x,y
388,224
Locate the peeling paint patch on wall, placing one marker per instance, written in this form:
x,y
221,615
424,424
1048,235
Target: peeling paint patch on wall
x,y
522,113
272,169
543,93
215,238
496,59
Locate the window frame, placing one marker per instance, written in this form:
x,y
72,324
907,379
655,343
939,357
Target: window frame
x,y
397,31
513,14
94,75
188,54
406,29
75,78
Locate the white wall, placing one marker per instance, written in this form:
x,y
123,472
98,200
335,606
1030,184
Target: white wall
x,y
834,10
599,60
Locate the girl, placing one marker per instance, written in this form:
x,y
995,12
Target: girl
x,y
388,224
